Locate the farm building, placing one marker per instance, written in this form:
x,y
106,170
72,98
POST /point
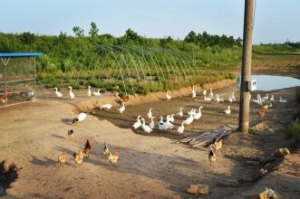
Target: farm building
x,y
17,77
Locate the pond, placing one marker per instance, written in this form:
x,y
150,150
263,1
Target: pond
x,y
273,82
270,82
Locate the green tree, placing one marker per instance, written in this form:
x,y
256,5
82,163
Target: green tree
x,y
191,37
27,38
62,37
79,32
94,30
165,41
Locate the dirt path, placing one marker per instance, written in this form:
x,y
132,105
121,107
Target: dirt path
x,y
150,166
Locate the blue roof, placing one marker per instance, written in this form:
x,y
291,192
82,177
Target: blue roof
x,y
20,54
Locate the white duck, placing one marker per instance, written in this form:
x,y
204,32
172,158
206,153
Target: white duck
x,y
194,94
149,114
138,123
58,94
219,99
180,129
71,94
233,96
198,114
189,120
265,98
171,118
207,98
282,100
230,98
168,96
89,92
180,112
162,125
106,106
227,111
211,94
204,92
80,118
192,112
145,127
97,93
152,124
122,108
272,99
168,123
258,100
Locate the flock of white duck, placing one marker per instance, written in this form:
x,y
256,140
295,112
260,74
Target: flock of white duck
x,y
168,123
267,100
71,94
193,115
164,124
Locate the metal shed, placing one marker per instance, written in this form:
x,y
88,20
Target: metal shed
x,y
17,77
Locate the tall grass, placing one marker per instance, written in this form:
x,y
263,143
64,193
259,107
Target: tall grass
x,y
298,95
294,130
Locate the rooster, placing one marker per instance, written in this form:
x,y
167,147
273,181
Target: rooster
x,y
114,158
87,149
78,157
217,145
70,132
62,158
106,151
261,113
211,156
125,99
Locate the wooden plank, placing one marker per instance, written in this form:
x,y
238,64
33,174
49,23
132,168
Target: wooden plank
x,y
204,139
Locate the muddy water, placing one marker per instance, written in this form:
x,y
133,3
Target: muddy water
x,y
213,117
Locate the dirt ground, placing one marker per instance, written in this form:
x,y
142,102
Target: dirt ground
x,y
151,165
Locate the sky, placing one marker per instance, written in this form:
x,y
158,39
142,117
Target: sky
x,y
275,21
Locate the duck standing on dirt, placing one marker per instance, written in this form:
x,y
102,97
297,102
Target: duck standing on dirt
x,y
58,94
194,94
71,94
227,111
138,122
80,118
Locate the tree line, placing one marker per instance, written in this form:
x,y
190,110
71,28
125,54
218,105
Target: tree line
x,y
205,49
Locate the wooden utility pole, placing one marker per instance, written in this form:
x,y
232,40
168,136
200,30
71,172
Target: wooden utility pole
x,y
246,68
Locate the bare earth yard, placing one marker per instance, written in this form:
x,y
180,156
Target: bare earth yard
x,y
150,165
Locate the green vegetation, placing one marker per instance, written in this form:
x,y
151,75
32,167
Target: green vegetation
x,y
294,130
298,98
132,63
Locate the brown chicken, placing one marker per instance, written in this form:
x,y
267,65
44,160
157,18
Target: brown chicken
x,y
62,158
70,132
106,151
114,158
87,149
261,113
78,157
217,145
125,99
212,156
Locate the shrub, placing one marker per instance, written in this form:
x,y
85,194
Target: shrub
x,y
294,130
298,94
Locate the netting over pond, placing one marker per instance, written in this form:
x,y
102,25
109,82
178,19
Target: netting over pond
x,y
17,77
129,70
